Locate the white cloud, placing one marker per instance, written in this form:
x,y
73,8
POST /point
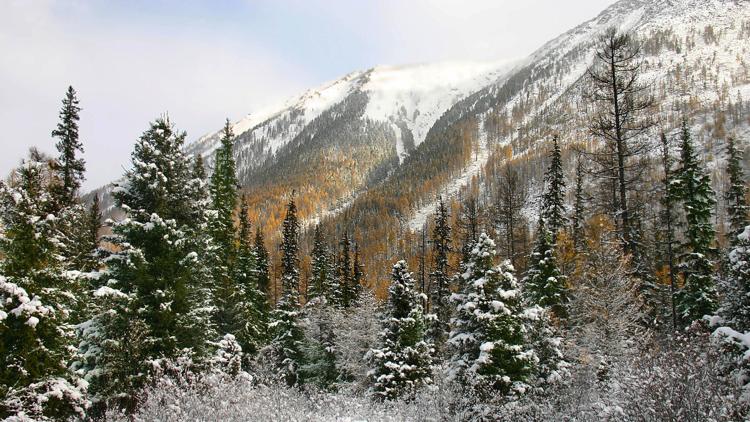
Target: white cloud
x,y
126,75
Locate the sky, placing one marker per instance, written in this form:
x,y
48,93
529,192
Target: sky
x,y
204,61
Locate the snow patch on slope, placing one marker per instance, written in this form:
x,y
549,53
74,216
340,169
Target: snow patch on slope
x,y
418,95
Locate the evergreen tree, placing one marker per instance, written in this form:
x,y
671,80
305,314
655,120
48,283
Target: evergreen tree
x,y
668,219
252,307
736,305
736,193
155,301
488,339
288,335
402,363
553,199
440,278
262,275
345,274
692,186
82,236
468,224
227,294
358,273
544,284
320,268
35,303
70,167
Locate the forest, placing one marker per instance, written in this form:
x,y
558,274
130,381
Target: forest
x,y
622,293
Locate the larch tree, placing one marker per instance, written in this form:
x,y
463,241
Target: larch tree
x,y
511,198
621,102
402,362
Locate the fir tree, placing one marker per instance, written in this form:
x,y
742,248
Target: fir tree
x,y
358,273
155,302
70,166
35,331
544,284
553,199
736,193
288,335
440,278
693,187
402,363
488,339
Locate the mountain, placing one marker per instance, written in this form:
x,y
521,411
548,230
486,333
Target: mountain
x,y
370,152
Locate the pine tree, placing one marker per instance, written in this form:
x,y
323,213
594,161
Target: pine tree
x,y
35,302
252,307
553,199
440,278
544,284
70,166
736,192
402,363
155,301
692,186
488,339
288,335
320,268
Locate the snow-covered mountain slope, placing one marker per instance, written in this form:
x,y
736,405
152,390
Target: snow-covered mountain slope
x,y
409,98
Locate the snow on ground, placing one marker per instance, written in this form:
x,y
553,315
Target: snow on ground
x,y
454,187
419,94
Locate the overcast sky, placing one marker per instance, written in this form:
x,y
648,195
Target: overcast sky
x,y
204,61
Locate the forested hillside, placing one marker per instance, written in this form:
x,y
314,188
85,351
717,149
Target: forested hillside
x,y
561,238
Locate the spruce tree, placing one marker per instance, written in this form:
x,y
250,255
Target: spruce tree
x,y
320,268
439,278
489,350
154,304
544,284
736,192
228,297
35,303
288,334
345,274
252,306
553,199
358,273
579,209
262,275
668,220
692,186
736,304
70,166
402,363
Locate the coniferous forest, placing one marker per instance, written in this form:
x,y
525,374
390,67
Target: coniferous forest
x,y
612,287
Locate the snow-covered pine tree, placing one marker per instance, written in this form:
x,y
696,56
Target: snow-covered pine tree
x,y
229,317
692,186
321,271
489,350
402,363
736,304
736,193
439,278
154,302
544,284
36,337
70,167
252,307
287,345
553,199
